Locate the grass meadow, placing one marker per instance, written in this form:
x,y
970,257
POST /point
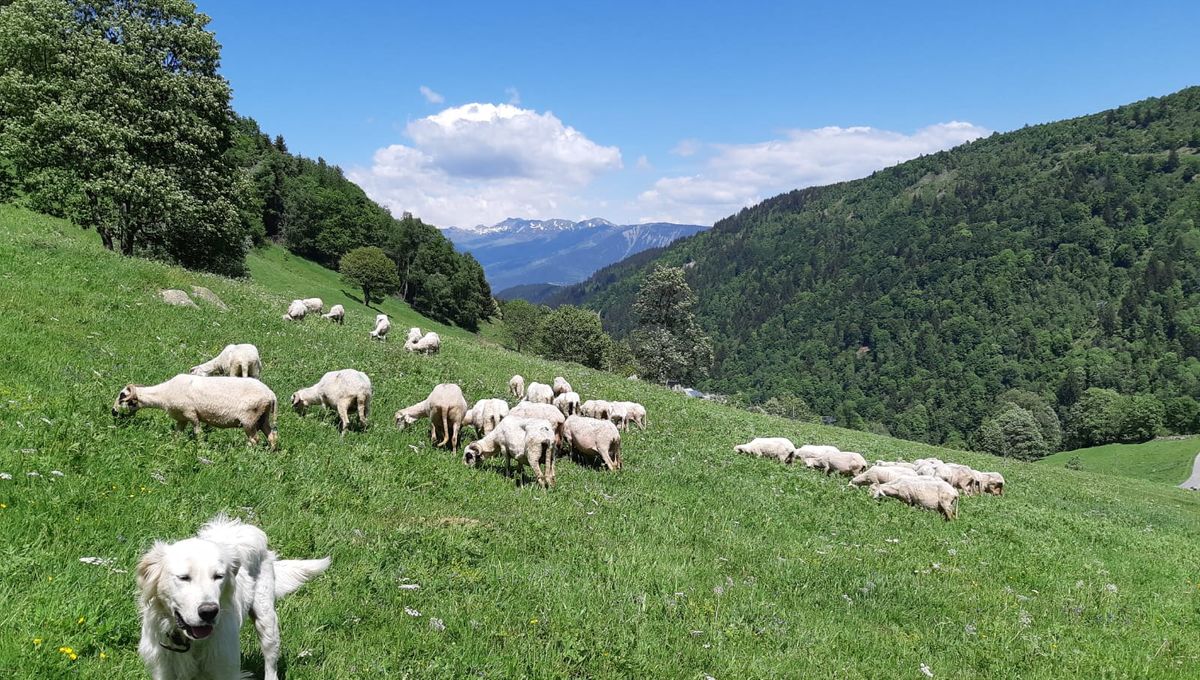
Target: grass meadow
x,y
691,562
1162,460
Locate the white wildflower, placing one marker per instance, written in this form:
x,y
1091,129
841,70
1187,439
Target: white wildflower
x,y
410,586
411,612
925,671
56,473
304,653
437,624
952,552
33,473
5,476
1110,587
1025,619
970,629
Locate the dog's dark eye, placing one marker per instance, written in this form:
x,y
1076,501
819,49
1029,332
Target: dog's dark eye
x,y
184,577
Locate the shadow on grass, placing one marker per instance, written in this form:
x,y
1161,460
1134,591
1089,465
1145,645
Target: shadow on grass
x,y
358,299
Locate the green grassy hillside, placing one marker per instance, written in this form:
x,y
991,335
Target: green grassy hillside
x,y
1166,460
692,561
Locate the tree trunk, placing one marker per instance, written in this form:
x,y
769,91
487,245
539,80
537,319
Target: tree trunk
x,y
366,296
106,237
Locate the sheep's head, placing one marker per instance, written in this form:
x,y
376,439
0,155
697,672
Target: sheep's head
x,y
127,402
298,404
877,491
472,456
403,419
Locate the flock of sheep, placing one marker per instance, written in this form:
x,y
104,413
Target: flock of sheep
x,y
225,392
927,482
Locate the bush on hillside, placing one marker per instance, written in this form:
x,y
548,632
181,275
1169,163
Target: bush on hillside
x,y
573,334
1014,433
372,271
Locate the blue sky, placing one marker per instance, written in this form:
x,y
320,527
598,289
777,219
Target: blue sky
x,y
670,111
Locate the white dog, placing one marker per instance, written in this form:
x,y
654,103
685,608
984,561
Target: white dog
x,y
194,595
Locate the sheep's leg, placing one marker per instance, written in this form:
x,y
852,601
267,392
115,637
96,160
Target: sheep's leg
x,y
507,464
531,458
343,411
608,461
364,411
454,439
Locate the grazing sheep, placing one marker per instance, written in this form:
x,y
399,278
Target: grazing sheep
x,y
814,455
447,406
516,386
896,463
960,477
202,400
779,448
339,390
539,393
990,483
414,334
430,343
593,438
382,326
485,415
568,403
548,412
238,361
561,386
927,461
882,474
296,311
926,492
337,314
314,305
595,408
633,412
846,463
529,440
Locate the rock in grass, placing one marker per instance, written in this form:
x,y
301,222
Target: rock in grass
x,y
174,296
209,297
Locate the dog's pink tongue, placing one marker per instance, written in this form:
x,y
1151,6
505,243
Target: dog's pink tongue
x,y
201,632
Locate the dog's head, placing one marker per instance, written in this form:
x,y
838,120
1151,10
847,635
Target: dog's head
x,y
188,582
127,402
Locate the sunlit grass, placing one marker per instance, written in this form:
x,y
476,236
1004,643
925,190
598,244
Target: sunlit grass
x,y
1162,460
692,561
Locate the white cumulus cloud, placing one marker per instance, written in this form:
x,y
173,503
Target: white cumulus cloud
x,y
431,96
479,163
737,175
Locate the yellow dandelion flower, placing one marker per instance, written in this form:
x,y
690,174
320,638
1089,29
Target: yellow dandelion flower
x,y
72,656
533,622
37,642
3,506
80,620
103,655
49,578
66,650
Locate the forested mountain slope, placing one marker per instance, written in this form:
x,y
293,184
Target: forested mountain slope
x,y
1054,258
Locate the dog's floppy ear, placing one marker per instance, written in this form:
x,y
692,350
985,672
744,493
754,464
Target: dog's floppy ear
x,y
149,569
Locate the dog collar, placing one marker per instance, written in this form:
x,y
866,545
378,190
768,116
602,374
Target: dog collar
x,y
180,642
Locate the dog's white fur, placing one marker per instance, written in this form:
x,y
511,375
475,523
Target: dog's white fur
x,y
226,564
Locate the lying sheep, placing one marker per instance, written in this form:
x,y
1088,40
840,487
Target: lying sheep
x,y
561,386
516,386
314,305
595,408
539,393
202,400
296,311
568,403
339,390
990,482
779,448
337,314
631,412
926,492
528,440
485,415
882,474
238,361
593,438
429,343
382,326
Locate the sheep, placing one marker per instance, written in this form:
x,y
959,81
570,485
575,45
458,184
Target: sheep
x,y
382,326
549,412
617,414
926,492
314,305
539,393
203,400
960,477
339,390
238,361
516,386
882,474
430,343
633,412
337,314
896,463
779,448
411,414
447,406
529,440
595,408
846,463
485,415
927,461
296,311
568,403
561,386
814,455
593,438
990,482
414,334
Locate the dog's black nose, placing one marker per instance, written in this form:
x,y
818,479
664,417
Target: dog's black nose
x,y
208,612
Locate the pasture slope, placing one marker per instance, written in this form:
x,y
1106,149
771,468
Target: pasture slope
x,y
691,562
1162,460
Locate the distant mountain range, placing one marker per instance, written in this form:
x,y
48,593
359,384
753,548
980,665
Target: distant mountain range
x,y
518,252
